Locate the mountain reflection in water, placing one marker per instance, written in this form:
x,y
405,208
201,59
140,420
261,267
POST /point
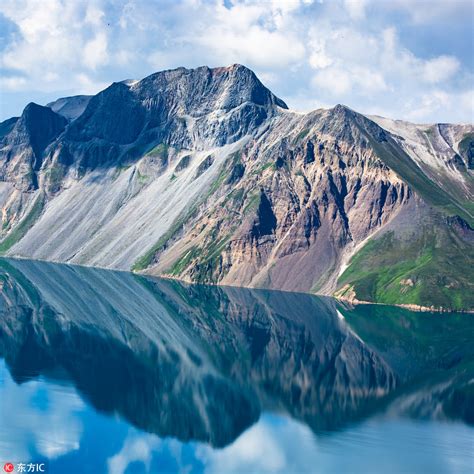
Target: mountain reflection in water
x,y
203,364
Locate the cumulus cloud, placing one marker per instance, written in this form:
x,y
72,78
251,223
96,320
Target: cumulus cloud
x,y
427,11
308,52
95,51
136,448
440,69
33,429
272,445
356,8
56,39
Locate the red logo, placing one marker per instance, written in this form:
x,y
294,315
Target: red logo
x,y
8,467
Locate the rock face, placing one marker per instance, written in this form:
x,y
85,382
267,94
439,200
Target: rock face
x,y
206,176
24,146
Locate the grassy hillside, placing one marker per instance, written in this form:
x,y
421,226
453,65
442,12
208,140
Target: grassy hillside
x,y
432,267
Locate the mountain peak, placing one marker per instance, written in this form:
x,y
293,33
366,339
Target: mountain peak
x,y
343,110
179,107
220,87
41,125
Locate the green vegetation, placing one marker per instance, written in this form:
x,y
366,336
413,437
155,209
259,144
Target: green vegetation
x,y
24,225
415,341
145,260
217,182
55,175
301,135
252,202
224,173
209,260
435,269
160,150
142,178
205,260
237,196
183,262
264,167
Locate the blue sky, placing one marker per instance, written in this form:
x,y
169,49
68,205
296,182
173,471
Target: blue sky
x,y
407,59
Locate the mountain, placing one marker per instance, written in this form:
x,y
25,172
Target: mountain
x,y
206,176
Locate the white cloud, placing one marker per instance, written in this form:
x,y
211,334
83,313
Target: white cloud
x,y
56,41
86,85
439,102
318,58
257,35
136,447
256,447
95,51
440,69
94,15
12,83
425,11
335,80
35,430
274,444
356,8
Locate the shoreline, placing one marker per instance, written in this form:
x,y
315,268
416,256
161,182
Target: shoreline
x,y
352,301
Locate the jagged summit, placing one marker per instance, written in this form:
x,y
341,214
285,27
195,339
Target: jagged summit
x,y
203,90
237,82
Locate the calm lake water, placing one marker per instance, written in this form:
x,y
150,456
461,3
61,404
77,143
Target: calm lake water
x,y
105,371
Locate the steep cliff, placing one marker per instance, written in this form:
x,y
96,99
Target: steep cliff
x,y
205,175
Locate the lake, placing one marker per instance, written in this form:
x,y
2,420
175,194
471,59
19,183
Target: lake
x,y
104,371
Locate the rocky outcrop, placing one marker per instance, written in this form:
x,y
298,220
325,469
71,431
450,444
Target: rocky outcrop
x,y
301,202
22,149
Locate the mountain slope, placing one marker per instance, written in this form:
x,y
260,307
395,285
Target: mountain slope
x,y
70,107
205,175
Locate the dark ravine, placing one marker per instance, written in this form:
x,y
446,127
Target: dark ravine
x,y
206,176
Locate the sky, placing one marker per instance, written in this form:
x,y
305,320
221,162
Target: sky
x,y
404,59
